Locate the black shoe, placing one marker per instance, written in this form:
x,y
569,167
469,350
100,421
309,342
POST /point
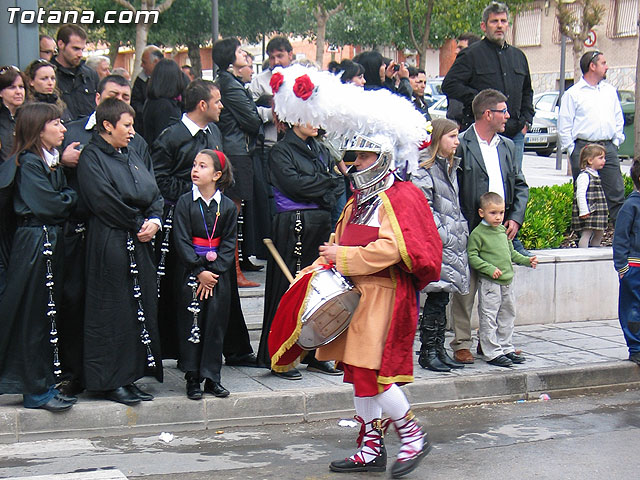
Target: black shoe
x,y
322,367
515,358
501,361
122,395
429,360
70,388
444,357
215,388
635,358
68,398
247,360
56,404
247,266
292,374
194,392
378,464
142,395
405,467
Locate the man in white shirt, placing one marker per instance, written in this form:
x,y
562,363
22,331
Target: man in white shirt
x,y
488,165
590,112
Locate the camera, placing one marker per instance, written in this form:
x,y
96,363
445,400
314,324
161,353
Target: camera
x,y
396,68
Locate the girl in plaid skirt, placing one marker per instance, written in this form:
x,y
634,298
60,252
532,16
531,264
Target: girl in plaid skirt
x,y
590,212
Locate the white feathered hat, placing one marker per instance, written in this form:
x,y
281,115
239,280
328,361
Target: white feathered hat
x,y
306,96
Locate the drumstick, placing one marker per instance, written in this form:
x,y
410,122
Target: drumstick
x,y
276,256
332,238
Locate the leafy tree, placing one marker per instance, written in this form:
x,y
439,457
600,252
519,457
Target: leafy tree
x,y
575,22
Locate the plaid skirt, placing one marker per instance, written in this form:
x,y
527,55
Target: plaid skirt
x,y
597,220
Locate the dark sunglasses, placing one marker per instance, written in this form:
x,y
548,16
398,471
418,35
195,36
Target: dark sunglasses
x,y
8,68
594,55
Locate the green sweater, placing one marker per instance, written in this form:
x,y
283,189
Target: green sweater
x,y
489,248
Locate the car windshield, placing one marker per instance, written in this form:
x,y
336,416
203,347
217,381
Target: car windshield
x,y
546,103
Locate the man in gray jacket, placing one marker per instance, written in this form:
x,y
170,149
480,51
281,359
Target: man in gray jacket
x,y
488,165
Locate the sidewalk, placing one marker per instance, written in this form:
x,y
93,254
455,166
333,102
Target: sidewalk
x,y
562,359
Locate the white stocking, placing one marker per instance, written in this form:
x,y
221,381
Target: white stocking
x,y
394,403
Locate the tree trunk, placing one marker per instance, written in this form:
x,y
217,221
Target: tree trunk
x,y
142,32
578,48
113,53
193,50
425,35
321,33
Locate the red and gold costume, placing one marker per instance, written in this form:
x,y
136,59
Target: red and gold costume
x,y
389,259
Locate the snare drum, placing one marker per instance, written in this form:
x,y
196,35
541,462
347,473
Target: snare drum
x,y
330,304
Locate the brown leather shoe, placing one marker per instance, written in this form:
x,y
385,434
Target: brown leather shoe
x,y
464,355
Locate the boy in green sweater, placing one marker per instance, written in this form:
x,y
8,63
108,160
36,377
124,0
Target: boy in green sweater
x,y
491,253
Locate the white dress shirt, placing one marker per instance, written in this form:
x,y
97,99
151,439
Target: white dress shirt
x,y
192,126
51,158
491,159
590,113
196,195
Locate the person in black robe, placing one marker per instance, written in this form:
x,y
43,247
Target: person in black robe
x,y
205,240
71,323
173,154
42,201
241,126
163,106
121,341
305,191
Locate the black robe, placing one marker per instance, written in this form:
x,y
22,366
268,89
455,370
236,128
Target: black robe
x,y
121,192
71,324
204,357
300,171
41,198
172,154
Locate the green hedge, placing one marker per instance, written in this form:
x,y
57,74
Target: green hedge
x,y
548,217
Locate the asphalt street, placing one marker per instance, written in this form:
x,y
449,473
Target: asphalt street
x,y
587,437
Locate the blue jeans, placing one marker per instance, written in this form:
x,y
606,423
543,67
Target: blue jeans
x,y
37,400
518,139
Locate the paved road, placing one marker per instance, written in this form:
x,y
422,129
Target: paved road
x,y
590,437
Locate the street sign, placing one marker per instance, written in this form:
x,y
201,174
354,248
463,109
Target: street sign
x,y
591,39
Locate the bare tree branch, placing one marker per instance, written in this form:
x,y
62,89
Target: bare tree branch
x,y
126,4
410,25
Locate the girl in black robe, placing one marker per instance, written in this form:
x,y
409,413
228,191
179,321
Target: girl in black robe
x,y
121,340
305,191
205,239
42,201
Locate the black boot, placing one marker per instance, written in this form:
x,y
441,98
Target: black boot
x,y
428,357
441,352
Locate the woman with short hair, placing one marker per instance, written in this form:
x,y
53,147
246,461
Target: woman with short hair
x,y
121,342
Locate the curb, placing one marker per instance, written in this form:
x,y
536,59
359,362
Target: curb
x,y
176,413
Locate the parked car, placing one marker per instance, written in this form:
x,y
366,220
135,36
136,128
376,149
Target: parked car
x,y
433,91
542,137
439,108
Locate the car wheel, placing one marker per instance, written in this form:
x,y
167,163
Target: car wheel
x,y
545,153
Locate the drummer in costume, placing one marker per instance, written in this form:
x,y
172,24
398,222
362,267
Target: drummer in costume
x,y
205,226
121,343
42,202
305,191
388,245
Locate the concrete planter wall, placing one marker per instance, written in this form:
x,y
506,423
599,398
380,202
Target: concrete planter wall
x,y
569,285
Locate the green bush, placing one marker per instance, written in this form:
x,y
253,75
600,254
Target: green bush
x,y
548,216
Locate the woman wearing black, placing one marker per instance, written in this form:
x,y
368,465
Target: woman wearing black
x,y
164,99
42,86
12,95
121,341
380,72
240,125
29,360
304,191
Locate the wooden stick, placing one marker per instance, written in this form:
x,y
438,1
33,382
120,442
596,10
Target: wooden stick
x,y
276,256
332,238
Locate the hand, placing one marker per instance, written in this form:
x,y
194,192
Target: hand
x,y
533,261
496,274
70,155
329,252
389,71
524,130
621,275
585,216
512,228
404,71
208,280
147,231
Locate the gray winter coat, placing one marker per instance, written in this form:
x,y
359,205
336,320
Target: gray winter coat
x,y
441,189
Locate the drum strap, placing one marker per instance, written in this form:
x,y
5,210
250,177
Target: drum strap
x,y
297,249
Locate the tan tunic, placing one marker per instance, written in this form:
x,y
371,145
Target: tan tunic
x,y
363,342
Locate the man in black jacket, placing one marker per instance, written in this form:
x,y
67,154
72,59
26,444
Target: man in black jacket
x,y
488,165
151,55
77,82
492,63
